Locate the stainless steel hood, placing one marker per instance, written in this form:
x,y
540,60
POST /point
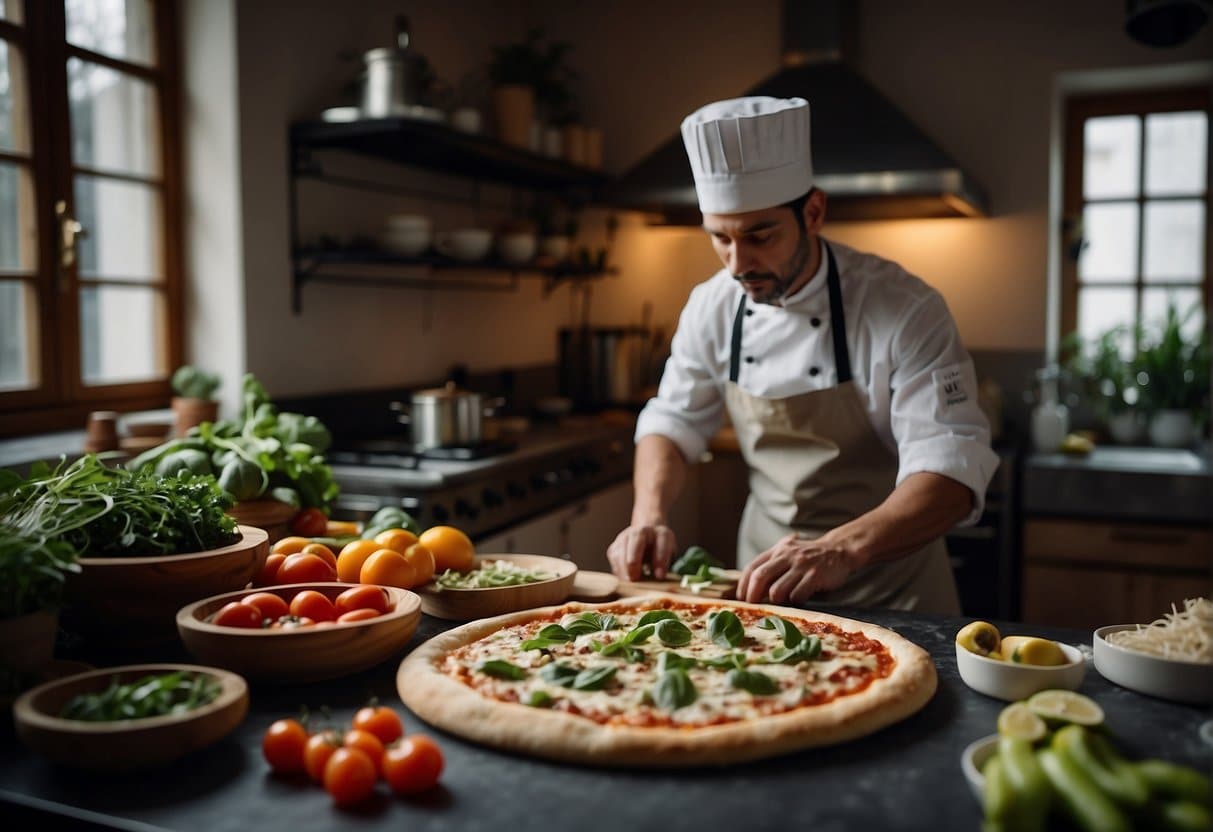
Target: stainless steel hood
x,y
871,160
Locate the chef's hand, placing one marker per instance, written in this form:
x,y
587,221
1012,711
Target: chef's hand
x,y
793,570
653,542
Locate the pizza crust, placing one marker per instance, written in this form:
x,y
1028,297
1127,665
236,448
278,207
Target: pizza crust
x,y
453,706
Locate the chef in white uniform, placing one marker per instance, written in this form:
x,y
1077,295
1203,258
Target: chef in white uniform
x,y
853,399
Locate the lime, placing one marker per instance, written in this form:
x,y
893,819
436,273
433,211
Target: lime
x,y
1018,722
1066,706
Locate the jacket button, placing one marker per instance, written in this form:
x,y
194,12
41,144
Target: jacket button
x,y
749,312
813,371
815,321
749,359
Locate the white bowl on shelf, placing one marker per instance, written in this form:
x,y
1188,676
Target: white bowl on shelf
x,y
1011,682
1174,679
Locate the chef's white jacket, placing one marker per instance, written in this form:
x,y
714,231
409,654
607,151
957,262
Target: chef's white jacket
x,y
911,370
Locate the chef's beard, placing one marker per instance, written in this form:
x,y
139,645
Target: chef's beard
x,y
782,280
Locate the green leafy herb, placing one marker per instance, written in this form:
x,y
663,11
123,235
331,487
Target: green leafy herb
x,y
673,633
501,669
590,622
169,693
756,683
194,383
674,690
725,629
804,651
539,699
670,660
489,575
559,673
618,648
33,570
595,678
693,560
728,661
653,616
790,633
549,636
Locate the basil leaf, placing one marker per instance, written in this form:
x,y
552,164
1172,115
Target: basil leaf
x,y
673,633
756,683
726,662
724,628
674,690
616,648
695,558
804,651
540,699
653,616
559,674
501,669
541,643
673,661
791,635
554,632
590,622
639,635
594,679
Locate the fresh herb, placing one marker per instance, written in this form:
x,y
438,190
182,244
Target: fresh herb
x,y
756,683
501,669
787,630
111,512
589,622
694,560
674,690
804,651
618,648
539,699
673,633
33,570
653,616
670,660
194,383
559,673
725,629
170,693
728,661
488,575
568,676
638,635
549,636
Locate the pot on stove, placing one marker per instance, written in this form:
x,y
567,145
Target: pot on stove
x,y
445,417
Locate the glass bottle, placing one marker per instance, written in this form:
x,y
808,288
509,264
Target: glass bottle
x,y
1050,417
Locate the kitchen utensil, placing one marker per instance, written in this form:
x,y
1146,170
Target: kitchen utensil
x,y
1011,682
395,77
604,365
306,654
1181,681
467,604
445,417
465,244
124,745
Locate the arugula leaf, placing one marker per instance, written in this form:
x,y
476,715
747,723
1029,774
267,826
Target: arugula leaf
x,y
501,669
789,631
756,683
595,678
725,629
653,616
590,622
674,690
670,660
673,633
804,651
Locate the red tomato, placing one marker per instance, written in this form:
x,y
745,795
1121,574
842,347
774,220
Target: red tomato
x,y
305,569
356,615
349,776
237,614
316,753
283,746
365,597
367,742
412,765
314,605
310,522
272,606
381,721
291,622
268,576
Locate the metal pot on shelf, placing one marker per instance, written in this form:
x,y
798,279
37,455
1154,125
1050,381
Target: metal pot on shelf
x,y
395,78
445,417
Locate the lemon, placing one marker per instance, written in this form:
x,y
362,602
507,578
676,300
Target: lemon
x,y
1018,722
1066,706
978,637
1031,650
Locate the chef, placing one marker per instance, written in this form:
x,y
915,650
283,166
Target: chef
x,y
853,400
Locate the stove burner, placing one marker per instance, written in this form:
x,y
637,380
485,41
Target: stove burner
x,y
397,453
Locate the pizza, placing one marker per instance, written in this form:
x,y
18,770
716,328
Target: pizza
x,y
661,680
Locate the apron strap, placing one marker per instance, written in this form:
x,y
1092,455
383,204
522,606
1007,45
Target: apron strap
x,y
735,353
838,321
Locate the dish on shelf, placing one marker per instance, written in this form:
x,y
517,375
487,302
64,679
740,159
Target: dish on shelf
x,y
485,602
1174,679
1011,681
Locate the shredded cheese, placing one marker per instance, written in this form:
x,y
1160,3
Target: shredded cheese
x,y
1184,636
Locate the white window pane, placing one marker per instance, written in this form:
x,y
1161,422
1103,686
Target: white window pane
x,y
120,334
122,221
118,28
14,100
1186,301
10,10
1111,157
18,245
1176,153
1103,308
1111,251
1175,240
114,125
18,336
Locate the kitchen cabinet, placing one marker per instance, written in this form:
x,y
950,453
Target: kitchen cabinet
x,y
1082,573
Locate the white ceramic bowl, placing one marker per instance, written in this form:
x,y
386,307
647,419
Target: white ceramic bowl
x,y
465,244
973,759
517,248
407,241
1180,681
1011,682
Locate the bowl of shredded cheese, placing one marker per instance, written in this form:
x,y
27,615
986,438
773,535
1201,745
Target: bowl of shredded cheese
x,y
1171,658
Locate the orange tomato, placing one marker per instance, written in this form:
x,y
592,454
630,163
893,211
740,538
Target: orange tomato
x,y
353,555
272,606
381,721
452,549
316,753
364,597
412,765
388,567
321,551
314,605
268,576
236,614
301,568
357,615
422,560
367,742
349,776
283,745
397,539
290,545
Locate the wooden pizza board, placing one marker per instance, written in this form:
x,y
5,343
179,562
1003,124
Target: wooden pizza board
x,y
725,588
594,586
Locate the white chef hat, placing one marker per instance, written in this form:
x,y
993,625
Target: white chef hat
x,y
749,153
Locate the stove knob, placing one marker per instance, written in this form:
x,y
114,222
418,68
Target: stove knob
x,y
465,509
515,490
440,514
491,498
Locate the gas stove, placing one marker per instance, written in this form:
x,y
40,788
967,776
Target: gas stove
x,y
485,489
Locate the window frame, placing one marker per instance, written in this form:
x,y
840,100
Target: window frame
x,y
1140,103
62,400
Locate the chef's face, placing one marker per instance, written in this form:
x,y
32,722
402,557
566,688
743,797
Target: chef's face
x,y
768,252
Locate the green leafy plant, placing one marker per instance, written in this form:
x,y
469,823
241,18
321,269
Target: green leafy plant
x,y
542,67
33,570
194,383
169,693
1173,370
1103,368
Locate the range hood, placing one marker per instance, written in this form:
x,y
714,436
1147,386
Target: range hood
x,y
870,159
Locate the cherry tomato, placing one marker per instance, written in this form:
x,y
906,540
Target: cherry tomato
x,y
305,569
290,545
237,614
291,622
283,746
316,753
314,605
321,551
268,576
364,597
412,765
367,742
356,615
310,522
388,568
349,776
381,721
271,606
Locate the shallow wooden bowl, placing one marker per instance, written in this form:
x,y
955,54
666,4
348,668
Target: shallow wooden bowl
x,y
468,604
125,744
271,516
129,601
307,654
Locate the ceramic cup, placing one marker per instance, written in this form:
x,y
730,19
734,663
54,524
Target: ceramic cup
x,y
517,247
406,234
466,119
466,244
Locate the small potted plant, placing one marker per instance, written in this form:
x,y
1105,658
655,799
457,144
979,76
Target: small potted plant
x,y
195,400
1108,380
524,74
34,567
1174,373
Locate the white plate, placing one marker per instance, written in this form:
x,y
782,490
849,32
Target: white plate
x,y
1181,681
973,759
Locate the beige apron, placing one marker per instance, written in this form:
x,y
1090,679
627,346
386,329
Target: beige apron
x,y
815,463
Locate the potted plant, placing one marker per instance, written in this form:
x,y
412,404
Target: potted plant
x,y
1108,380
524,74
195,400
1174,374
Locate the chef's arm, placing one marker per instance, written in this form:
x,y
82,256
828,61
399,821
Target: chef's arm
x,y
659,474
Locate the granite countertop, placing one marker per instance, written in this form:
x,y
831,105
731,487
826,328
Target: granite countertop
x,y
906,777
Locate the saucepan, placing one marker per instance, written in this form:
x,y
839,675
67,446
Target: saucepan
x,y
445,416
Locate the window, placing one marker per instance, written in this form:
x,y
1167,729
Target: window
x,y
90,270
1137,208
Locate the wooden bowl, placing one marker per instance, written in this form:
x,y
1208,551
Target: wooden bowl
x,y
125,744
131,601
272,516
307,654
467,604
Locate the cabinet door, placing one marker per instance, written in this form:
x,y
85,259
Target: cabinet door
x,y
1153,595
1067,597
595,523
539,536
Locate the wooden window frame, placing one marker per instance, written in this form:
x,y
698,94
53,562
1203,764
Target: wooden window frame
x,y
62,400
1078,110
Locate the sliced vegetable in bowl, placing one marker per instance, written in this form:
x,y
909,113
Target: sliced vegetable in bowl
x,y
490,574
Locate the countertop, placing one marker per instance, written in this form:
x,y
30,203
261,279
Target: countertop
x,y
905,777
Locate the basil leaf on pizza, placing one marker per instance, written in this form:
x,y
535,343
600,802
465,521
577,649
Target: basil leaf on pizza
x,y
549,636
674,690
752,681
590,622
501,669
559,673
594,678
728,661
786,629
653,616
673,661
673,633
539,699
725,629
804,651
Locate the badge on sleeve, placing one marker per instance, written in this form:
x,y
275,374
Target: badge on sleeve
x,y
949,385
